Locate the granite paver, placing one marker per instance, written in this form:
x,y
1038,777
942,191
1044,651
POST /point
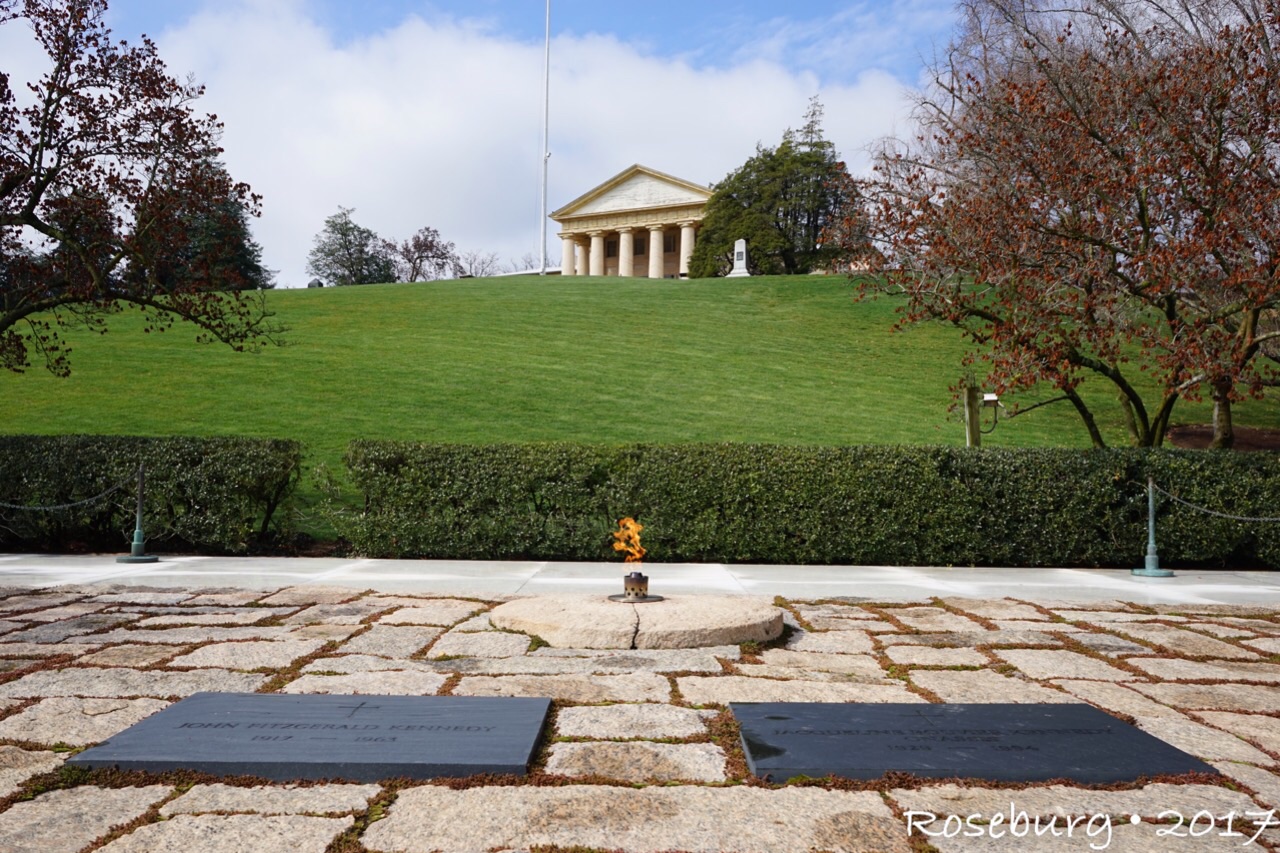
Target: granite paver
x,y
930,656
933,619
286,799
234,834
996,610
270,654
1175,669
444,611
1261,729
88,681
482,644
391,641
1265,783
1046,663
703,690
1184,642
309,595
380,683
984,686
344,664
17,765
1064,801
630,721
1214,697
129,655
226,618
351,613
647,820
639,762
75,721
1116,698
640,687
65,821
849,642
1202,741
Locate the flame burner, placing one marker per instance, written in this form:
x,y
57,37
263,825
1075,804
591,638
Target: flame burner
x,y
635,590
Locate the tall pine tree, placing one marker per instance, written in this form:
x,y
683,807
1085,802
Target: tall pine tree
x,y
780,201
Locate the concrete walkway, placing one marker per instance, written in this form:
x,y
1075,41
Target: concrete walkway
x,y
456,577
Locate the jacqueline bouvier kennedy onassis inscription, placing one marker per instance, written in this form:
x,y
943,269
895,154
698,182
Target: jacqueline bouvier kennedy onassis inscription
x,y
356,738
999,742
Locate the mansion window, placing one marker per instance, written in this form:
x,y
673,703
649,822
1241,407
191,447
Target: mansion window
x,y
638,248
670,243
611,248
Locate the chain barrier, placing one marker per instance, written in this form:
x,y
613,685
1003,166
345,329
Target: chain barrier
x,y
58,507
1208,511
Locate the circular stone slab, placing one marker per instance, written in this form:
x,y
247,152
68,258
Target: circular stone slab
x,y
676,622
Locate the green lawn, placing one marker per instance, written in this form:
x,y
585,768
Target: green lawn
x,y
794,361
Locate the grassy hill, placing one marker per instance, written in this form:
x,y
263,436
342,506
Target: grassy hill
x,y
787,360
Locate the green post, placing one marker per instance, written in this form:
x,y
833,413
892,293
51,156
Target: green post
x,y
1151,569
137,554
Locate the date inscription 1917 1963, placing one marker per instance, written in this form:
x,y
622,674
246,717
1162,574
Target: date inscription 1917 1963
x,y
356,738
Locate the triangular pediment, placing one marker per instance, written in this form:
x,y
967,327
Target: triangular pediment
x,y
636,188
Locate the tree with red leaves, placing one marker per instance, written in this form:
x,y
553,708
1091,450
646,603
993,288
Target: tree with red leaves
x,y
1095,196
104,172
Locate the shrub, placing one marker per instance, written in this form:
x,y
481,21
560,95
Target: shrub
x,y
805,505
218,494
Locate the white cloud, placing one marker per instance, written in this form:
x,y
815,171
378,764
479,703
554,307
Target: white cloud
x,y
438,122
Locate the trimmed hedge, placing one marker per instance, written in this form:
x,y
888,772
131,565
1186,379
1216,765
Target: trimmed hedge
x,y
810,505
208,494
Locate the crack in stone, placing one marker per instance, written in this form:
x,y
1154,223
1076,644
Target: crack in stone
x,y
635,608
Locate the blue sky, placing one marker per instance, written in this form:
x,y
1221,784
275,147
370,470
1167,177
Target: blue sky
x,y
704,32
429,112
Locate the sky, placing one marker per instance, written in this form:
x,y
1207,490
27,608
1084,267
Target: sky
x,y
429,112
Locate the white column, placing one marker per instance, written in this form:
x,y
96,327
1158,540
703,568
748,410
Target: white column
x,y
567,252
626,253
597,253
687,233
581,257
655,251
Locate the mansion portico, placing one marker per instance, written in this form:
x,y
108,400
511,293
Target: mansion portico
x,y
641,222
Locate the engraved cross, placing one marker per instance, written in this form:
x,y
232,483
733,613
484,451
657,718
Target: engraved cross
x,y
361,707
928,718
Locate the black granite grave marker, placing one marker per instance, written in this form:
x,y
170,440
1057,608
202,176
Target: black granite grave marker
x,y
1013,743
356,738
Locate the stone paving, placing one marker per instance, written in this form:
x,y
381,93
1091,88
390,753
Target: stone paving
x,y
641,754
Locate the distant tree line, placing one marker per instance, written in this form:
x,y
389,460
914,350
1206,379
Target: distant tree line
x,y
346,253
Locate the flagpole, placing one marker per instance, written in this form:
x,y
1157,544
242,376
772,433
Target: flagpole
x,y
546,136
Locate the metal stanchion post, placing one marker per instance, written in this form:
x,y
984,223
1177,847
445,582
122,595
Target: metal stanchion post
x,y
137,554
1151,569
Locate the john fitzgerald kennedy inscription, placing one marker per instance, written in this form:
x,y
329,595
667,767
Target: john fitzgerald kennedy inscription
x,y
357,738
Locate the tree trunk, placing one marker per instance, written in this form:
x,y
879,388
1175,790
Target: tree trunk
x,y
1224,435
1087,416
1136,435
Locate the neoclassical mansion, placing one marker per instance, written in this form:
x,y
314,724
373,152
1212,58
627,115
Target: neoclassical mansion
x,y
641,222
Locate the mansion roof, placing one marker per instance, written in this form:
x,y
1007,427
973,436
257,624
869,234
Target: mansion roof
x,y
637,188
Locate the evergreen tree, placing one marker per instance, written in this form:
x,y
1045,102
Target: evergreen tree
x,y
780,201
213,248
